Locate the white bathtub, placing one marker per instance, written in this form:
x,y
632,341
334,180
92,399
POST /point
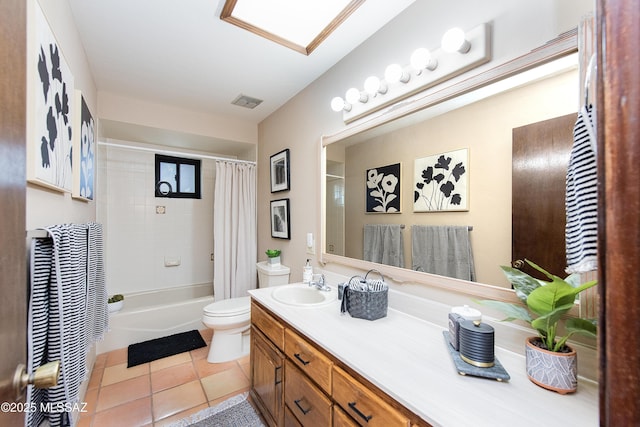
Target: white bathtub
x,y
155,314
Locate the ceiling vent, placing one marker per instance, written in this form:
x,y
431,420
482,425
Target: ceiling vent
x,y
246,101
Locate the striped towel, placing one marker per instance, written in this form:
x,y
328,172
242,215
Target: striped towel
x,y
97,310
67,312
582,197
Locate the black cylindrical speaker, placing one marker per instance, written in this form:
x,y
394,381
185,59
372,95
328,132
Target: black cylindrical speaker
x,y
477,341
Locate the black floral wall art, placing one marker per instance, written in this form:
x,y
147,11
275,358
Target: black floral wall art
x,y
49,152
383,189
441,182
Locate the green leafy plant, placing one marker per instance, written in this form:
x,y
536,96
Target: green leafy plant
x,y
548,301
116,298
272,253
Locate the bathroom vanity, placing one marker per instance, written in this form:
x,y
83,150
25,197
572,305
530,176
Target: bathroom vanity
x,y
313,366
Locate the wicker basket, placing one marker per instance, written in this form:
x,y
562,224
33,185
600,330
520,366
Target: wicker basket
x,y
366,298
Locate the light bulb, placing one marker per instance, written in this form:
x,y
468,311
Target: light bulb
x,y
353,96
373,85
338,104
394,74
421,58
454,41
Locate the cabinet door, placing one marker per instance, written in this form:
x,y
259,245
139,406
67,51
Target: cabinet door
x,y
267,376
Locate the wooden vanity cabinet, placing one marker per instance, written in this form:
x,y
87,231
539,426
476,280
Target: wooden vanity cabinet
x,y
267,378
295,383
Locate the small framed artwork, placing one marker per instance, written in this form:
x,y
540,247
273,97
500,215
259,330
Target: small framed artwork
x,y
280,226
383,189
280,171
51,111
441,182
83,151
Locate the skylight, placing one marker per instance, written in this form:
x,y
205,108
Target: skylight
x,y
299,25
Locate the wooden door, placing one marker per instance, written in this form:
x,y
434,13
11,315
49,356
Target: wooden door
x,y
13,283
267,375
618,114
541,154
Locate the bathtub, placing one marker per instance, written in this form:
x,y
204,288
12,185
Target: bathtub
x,y
154,314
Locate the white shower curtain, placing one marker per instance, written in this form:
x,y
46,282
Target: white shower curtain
x,y
234,230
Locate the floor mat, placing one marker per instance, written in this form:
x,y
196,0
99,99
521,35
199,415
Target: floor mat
x,y
233,412
158,348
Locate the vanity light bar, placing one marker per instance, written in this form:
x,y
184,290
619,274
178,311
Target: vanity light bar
x,y
442,65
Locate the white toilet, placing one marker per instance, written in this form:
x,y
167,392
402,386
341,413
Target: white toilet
x,y
230,319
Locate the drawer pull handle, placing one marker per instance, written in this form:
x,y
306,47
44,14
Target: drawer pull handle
x,y
275,374
304,411
352,405
304,362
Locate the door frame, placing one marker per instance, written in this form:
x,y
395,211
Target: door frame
x,y
618,127
13,270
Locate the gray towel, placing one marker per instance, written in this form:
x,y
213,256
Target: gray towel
x,y
384,244
444,250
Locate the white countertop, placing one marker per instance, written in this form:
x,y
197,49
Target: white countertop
x,y
407,358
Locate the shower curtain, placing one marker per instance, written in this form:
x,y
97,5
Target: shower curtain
x,y
234,230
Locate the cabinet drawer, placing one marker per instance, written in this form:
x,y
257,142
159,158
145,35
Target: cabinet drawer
x,y
367,408
306,401
268,325
341,419
313,363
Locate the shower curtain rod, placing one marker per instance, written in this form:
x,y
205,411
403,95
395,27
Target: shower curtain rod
x,y
175,153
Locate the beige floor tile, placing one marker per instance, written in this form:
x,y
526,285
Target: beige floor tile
x,y
177,399
221,399
135,413
166,362
200,353
91,399
101,360
224,383
204,368
172,377
246,369
116,357
122,392
244,360
115,374
96,377
180,415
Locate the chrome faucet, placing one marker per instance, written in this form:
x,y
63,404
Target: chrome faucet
x,y
320,284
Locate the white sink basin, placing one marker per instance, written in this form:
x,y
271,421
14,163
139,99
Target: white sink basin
x,y
303,295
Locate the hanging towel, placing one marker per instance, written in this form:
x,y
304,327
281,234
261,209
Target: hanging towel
x,y
384,244
57,318
582,197
97,298
444,250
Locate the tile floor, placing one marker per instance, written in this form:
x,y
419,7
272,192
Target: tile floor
x,y
159,392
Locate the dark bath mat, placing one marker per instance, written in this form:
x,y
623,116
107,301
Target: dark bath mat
x,y
158,348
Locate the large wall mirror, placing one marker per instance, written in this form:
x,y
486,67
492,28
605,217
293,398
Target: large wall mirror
x,y
477,115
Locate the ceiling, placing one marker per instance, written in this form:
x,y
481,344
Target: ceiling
x,y
181,53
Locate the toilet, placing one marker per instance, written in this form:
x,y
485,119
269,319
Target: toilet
x,y
230,319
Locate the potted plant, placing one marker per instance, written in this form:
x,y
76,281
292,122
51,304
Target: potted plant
x,y
274,257
115,303
551,363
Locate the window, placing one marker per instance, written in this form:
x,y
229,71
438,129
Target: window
x,y
177,177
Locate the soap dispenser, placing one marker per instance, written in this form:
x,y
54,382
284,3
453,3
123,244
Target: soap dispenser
x,y
307,272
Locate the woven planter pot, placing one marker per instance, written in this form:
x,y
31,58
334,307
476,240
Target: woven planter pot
x,y
550,370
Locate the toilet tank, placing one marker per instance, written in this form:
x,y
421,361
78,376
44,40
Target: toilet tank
x,y
272,276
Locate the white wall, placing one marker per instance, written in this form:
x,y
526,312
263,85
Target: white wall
x,y
137,239
517,25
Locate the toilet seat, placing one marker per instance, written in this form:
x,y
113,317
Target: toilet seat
x,y
228,307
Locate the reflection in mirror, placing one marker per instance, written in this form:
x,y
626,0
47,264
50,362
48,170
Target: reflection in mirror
x,y
481,122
